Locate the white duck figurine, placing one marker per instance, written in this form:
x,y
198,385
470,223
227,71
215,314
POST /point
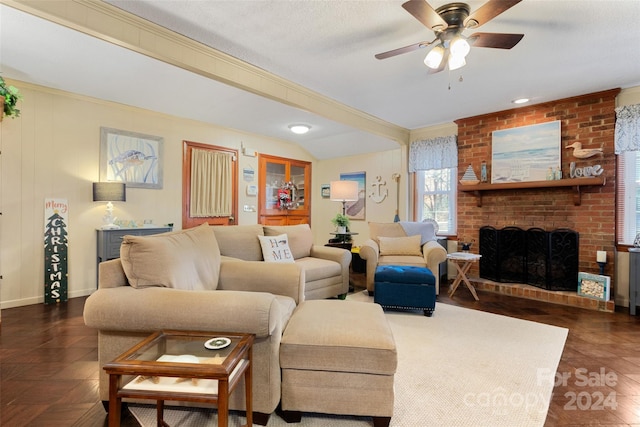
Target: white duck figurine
x,y
583,153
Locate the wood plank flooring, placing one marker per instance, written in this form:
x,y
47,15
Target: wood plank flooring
x,y
49,371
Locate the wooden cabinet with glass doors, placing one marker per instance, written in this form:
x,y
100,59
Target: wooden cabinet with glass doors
x,y
284,197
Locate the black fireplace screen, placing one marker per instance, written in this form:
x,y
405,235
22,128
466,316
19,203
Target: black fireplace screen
x,y
546,259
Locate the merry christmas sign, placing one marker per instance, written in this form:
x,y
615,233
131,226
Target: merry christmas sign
x,y
56,270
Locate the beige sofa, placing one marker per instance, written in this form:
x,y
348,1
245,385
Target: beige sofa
x,y
326,269
179,281
389,244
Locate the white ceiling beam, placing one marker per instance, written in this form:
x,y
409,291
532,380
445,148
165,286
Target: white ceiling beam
x,y
108,23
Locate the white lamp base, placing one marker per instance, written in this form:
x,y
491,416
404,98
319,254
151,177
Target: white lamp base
x,y
108,219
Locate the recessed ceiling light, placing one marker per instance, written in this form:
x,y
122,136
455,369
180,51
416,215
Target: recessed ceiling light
x,y
299,129
520,100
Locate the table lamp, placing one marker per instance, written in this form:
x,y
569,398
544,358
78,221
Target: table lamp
x,y
343,191
109,192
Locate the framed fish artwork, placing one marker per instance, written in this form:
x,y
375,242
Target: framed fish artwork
x,y
133,158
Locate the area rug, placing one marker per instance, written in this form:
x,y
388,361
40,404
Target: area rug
x,y
459,367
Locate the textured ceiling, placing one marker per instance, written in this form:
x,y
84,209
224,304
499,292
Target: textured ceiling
x,y
569,48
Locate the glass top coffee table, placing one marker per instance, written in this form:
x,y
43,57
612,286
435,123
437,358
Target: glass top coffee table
x,y
185,366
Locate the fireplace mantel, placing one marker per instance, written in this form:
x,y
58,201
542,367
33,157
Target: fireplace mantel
x,y
576,183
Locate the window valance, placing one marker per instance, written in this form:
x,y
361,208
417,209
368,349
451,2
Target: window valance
x,y
435,153
627,133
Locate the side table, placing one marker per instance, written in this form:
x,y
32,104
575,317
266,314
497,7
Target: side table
x,y
463,261
344,237
176,365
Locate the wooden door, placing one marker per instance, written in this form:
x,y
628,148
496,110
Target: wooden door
x,y
187,220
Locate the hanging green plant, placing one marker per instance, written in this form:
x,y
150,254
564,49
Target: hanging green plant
x,y
11,96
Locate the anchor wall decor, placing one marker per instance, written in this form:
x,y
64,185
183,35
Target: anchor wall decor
x,y
379,194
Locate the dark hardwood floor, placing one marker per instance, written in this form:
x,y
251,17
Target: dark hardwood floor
x,y
49,371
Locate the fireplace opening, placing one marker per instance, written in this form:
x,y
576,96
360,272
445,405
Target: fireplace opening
x,y
546,259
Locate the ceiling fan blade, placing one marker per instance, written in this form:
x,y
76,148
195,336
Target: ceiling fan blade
x,y
423,12
488,11
494,40
401,50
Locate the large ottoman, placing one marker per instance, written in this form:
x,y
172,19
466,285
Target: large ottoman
x,y
405,287
338,357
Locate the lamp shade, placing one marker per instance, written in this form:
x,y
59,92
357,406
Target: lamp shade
x,y
434,57
344,191
109,192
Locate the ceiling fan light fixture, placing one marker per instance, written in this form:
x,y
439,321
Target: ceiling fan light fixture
x,y
459,47
299,129
456,62
434,57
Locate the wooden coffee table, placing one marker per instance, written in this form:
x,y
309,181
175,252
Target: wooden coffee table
x,y
176,365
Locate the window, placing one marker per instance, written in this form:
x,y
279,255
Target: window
x,y
436,197
628,197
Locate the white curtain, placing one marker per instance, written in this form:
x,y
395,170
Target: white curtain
x,y
211,183
627,134
435,153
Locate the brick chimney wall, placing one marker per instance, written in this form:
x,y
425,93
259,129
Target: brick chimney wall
x,y
588,119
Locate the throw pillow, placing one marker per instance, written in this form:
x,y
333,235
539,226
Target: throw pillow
x,y
427,229
400,245
300,238
386,229
186,259
239,241
276,248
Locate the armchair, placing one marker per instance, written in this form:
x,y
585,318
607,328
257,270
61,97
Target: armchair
x,y
390,244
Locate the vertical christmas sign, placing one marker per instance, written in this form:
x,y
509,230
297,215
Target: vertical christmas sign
x,y
56,270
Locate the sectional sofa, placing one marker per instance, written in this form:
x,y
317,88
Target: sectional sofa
x,y
210,279
326,269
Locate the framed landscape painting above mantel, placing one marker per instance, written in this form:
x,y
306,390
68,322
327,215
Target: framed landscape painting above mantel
x,y
527,153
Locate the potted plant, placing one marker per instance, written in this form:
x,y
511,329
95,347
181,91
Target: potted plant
x,y
9,96
341,221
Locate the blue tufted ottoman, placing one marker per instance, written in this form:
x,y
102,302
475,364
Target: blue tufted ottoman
x,y
405,287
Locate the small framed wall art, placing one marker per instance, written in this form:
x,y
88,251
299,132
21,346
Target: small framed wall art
x,y
325,191
130,157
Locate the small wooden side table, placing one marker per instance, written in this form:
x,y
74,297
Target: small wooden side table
x,y
463,261
176,365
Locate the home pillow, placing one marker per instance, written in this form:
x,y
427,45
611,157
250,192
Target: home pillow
x,y
400,245
276,248
186,259
299,236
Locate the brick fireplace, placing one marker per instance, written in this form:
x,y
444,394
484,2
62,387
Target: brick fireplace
x,y
588,119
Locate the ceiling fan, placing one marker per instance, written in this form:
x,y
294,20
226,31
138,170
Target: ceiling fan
x,y
448,22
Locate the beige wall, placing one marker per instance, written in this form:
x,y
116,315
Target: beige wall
x,y
52,151
382,164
